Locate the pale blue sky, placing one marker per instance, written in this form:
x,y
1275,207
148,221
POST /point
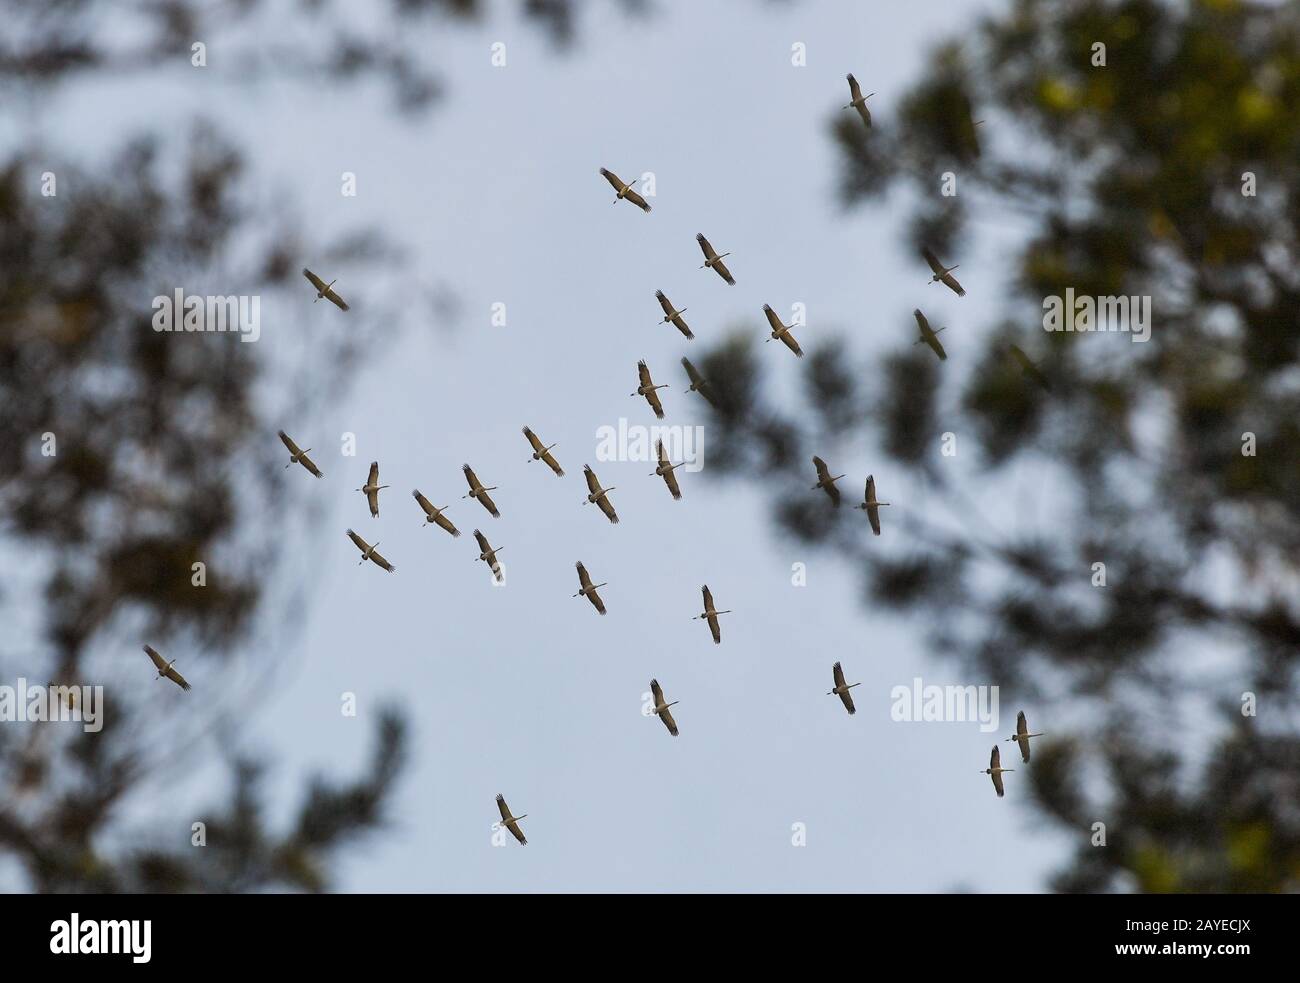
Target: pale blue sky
x,y
524,690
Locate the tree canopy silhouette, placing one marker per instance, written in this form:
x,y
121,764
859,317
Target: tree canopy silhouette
x,y
1172,462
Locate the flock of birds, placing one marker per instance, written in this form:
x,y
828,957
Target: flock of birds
x,y
598,495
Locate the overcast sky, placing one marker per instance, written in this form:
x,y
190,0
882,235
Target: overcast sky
x,y
525,690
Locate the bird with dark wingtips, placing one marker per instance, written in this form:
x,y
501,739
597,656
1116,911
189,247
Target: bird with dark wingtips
x,y
842,688
712,261
996,770
711,614
511,822
625,191
661,708
587,589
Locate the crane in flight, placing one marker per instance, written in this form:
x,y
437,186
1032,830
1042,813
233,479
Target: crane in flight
x,y
625,191
996,770
942,274
661,708
372,487
368,553
711,614
479,493
166,670
859,101
647,388
871,506
543,453
511,822
712,261
672,315
842,689
587,589
488,555
825,481
325,291
665,471
434,515
929,336
597,495
698,383
1022,736
297,456
781,331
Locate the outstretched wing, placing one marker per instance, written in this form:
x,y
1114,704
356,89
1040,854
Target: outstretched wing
x,y
159,662
657,692
846,697
594,598
951,283
593,483
288,442
723,272
378,560
180,680
791,344
995,759
362,545
667,717
486,501
614,180
932,261
652,397
670,477
471,477
936,347
643,374
680,323
607,507
442,522
1022,724
698,381
425,504
501,802
705,247
708,597
316,281
310,465
838,672
716,628
823,472
537,445
483,545
637,200
772,319
553,464
373,482
584,578
855,90
669,310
